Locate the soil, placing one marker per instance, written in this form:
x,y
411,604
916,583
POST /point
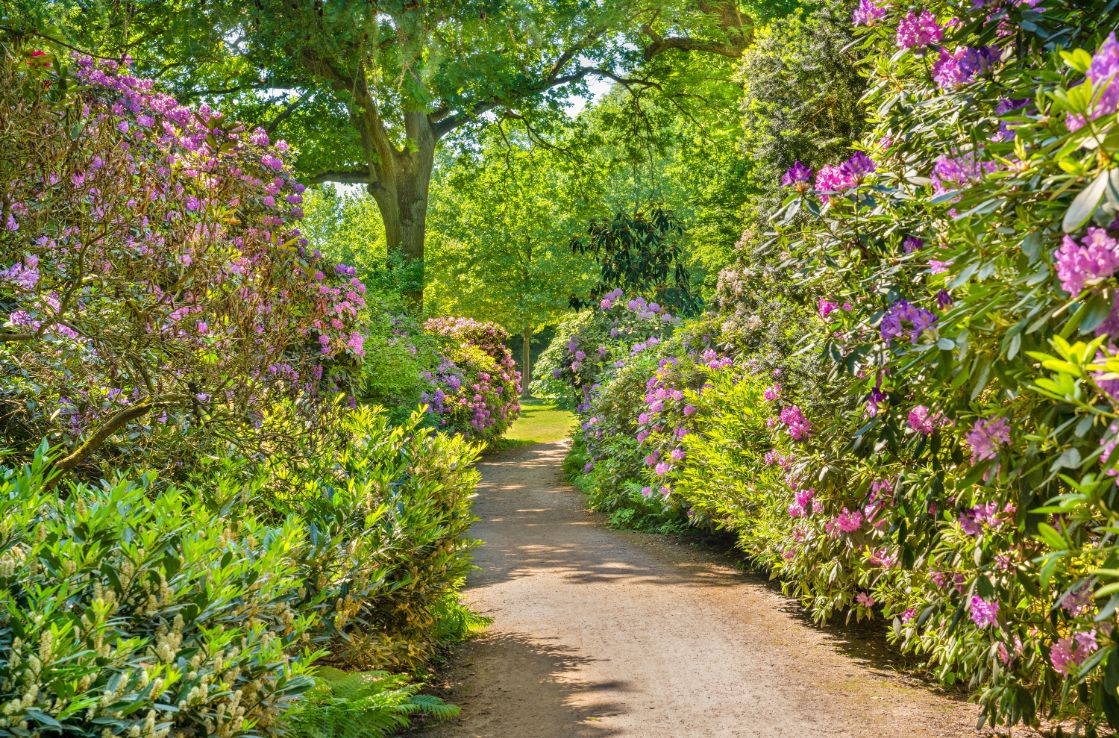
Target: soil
x,y
598,632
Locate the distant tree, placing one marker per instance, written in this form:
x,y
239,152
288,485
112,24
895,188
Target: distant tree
x,y
640,252
501,223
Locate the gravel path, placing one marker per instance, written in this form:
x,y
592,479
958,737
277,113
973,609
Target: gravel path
x,y
601,633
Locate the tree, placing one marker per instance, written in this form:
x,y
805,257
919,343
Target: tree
x,y
502,220
370,89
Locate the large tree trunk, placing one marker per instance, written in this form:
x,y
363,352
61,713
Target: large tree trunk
x,y
401,192
526,361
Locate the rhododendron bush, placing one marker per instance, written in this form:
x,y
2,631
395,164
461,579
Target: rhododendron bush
x,y
951,470
474,388
589,347
152,275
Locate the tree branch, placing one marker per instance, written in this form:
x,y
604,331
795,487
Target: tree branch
x,y
287,112
357,176
452,122
107,429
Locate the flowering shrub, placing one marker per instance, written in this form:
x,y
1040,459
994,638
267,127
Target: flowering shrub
x,y
953,472
152,276
474,390
590,347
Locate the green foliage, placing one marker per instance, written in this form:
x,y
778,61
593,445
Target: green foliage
x,y
802,101
501,219
373,704
389,508
139,613
639,253
398,354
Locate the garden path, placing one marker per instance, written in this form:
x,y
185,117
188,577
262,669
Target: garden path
x,y
599,633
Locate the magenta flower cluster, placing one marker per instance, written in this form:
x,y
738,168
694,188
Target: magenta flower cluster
x,y
1104,76
1095,257
986,436
918,30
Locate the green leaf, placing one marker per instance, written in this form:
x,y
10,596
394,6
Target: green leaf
x,y
1084,206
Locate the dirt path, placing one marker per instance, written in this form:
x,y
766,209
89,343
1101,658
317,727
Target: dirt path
x,y
605,633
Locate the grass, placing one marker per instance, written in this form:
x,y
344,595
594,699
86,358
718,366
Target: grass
x,y
539,422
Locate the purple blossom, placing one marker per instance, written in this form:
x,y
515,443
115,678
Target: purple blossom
x,y
1079,601
794,420
1068,653
798,175
1096,257
772,393
983,612
986,436
848,521
864,599
825,307
920,420
893,324
1102,73
917,31
959,171
961,66
868,13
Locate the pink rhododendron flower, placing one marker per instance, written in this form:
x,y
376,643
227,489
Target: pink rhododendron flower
x,y
917,30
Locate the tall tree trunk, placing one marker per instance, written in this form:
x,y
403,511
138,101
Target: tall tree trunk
x,y
526,361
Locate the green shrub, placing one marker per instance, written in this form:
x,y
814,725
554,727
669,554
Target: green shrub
x,y
387,508
397,356
131,614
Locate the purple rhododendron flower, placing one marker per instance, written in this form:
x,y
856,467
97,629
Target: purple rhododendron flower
x,y
918,30
797,174
1102,73
1096,257
848,521
959,171
911,244
1068,653
798,425
868,13
893,324
984,612
920,420
986,436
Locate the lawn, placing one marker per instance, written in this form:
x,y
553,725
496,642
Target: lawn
x,y
539,422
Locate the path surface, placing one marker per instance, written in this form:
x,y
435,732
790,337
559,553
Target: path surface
x,y
601,633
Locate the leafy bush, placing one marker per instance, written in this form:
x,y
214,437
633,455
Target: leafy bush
x,y
399,356
588,348
126,614
951,469
387,509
